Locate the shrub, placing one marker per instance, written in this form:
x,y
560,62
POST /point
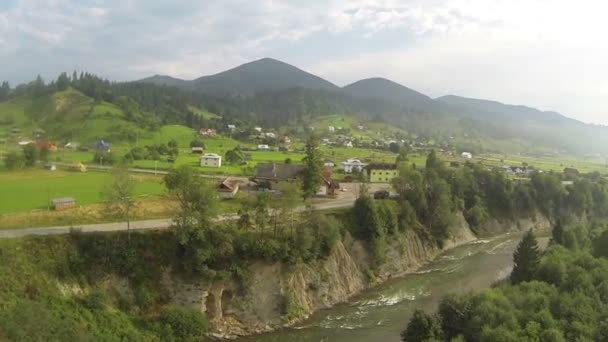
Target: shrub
x,y
184,324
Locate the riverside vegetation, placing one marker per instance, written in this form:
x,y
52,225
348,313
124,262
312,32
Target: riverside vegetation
x,y
56,288
559,294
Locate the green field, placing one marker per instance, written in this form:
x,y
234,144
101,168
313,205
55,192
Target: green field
x,y
32,189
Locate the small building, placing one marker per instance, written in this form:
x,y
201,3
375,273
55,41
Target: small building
x,y
270,135
197,150
286,140
352,165
328,163
331,129
71,145
283,148
263,147
360,127
466,155
329,185
103,146
207,132
258,129
348,144
231,127
64,203
211,160
50,146
228,188
382,172
25,142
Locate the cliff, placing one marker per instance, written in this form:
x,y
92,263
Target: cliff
x,y
277,295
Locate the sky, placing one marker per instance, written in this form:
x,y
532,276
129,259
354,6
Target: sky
x,y
549,54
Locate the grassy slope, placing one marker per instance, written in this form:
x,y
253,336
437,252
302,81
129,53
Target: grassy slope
x,y
65,115
49,290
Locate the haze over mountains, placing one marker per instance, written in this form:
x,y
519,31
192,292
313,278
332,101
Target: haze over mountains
x,y
276,90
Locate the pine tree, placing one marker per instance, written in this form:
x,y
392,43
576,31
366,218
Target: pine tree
x,y
525,259
312,168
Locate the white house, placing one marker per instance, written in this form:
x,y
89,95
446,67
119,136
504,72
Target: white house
x,y
348,144
467,155
352,165
263,148
211,160
331,129
258,129
270,135
231,127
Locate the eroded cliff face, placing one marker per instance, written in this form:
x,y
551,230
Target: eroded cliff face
x,y
278,295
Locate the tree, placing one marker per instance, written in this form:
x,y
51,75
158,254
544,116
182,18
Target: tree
x,y
235,156
30,155
402,156
63,81
525,259
422,327
313,163
119,195
197,202
13,160
5,91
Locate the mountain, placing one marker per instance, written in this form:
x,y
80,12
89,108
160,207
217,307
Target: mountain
x,y
489,109
263,75
164,80
387,90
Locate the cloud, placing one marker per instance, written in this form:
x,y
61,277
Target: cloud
x,y
539,52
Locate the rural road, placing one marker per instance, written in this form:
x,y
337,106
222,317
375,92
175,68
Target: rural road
x,y
344,202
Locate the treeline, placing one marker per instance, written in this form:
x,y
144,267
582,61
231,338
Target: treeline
x,y
429,197
560,294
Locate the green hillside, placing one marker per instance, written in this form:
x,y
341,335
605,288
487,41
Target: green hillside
x,y
65,116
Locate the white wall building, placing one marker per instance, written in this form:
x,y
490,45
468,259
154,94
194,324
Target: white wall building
x,y
263,148
352,165
467,155
211,160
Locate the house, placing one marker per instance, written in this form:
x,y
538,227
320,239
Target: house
x,y
263,147
466,155
331,129
352,165
39,133
197,150
231,127
103,146
71,145
328,163
25,142
50,146
270,135
228,188
283,148
211,160
570,171
258,129
360,127
286,140
329,186
325,141
382,172
207,132
273,172
348,144
63,203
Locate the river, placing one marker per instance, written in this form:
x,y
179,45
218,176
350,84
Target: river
x,y
381,313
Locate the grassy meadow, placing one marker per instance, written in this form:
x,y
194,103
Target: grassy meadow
x,y
33,189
